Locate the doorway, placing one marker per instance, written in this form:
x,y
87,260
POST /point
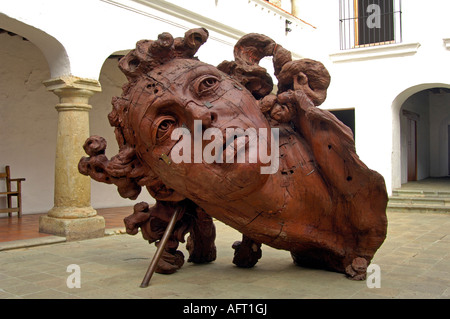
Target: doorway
x,y
411,132
421,146
346,116
448,148
411,140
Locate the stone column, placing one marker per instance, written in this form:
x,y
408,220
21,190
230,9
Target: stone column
x,y
72,215
295,8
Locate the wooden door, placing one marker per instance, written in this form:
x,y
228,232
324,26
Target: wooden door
x,y
411,140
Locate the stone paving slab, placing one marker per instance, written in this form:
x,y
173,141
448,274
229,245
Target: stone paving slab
x,y
23,243
414,262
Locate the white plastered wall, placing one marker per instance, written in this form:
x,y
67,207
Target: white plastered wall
x,y
375,88
62,43
28,120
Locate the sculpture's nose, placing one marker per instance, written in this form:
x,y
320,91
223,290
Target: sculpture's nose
x,y
204,114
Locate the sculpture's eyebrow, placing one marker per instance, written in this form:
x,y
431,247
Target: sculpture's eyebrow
x,y
200,70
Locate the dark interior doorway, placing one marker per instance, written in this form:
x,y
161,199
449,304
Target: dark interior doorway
x,y
448,149
347,117
412,149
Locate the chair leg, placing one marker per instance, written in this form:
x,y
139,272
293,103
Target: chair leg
x,y
9,199
19,205
19,198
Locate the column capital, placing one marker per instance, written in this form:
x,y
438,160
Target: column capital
x,y
73,82
73,92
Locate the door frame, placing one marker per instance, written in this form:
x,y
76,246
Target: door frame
x,y
411,139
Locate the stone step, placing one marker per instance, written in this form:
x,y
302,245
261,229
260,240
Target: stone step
x,y
416,200
429,195
420,201
420,193
418,208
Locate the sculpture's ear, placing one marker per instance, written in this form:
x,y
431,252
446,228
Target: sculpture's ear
x,y
306,75
300,80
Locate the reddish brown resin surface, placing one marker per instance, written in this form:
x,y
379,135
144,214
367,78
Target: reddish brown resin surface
x,y
322,204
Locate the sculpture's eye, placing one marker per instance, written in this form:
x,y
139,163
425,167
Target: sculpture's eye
x,y
206,84
165,127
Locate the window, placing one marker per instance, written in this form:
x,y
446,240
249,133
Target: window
x,y
364,23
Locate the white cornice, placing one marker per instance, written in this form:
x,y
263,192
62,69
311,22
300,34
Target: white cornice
x,y
147,8
178,12
288,16
375,52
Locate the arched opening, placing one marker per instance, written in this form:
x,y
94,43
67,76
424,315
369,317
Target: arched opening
x,y
53,51
421,127
28,120
112,79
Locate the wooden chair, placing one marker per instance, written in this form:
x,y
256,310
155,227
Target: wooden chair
x,y
11,193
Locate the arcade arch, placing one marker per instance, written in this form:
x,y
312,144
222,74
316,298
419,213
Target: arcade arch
x,y
420,132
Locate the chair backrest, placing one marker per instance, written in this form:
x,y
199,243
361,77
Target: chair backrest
x,y
7,175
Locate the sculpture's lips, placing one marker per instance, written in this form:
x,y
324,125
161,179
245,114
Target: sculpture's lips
x,y
230,147
233,146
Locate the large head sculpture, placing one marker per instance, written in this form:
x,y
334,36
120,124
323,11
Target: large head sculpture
x,y
171,123
169,89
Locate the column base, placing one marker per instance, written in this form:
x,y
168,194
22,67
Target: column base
x,y
73,229
72,212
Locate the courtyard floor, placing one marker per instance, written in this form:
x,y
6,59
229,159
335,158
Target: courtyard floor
x,y
414,262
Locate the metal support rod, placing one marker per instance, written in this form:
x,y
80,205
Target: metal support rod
x,y
160,250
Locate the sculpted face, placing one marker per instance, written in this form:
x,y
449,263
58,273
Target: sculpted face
x,y
323,205
195,96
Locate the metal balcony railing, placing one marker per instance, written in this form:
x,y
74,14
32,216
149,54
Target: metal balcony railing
x,y
364,23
